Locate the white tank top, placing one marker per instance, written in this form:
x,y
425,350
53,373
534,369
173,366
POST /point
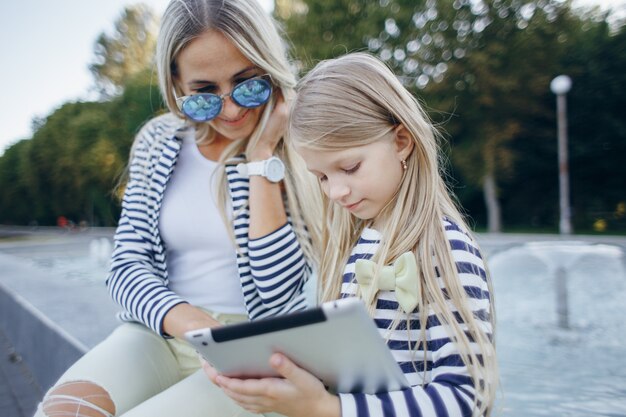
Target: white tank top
x,y
201,257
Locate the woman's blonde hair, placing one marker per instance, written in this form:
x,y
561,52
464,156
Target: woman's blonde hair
x,y
256,35
355,100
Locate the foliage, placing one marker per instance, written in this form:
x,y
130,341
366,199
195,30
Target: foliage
x,y
125,52
322,29
71,165
16,199
598,127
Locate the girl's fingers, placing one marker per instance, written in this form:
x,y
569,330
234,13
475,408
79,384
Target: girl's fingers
x,y
210,371
250,387
292,372
241,398
249,402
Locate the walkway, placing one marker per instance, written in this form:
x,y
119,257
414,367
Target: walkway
x,y
53,272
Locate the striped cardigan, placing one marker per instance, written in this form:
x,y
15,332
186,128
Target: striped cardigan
x,y
272,269
447,389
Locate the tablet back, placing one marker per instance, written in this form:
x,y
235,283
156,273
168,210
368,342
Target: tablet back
x,y
337,342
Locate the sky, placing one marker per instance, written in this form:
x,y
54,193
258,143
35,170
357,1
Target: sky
x,y
46,47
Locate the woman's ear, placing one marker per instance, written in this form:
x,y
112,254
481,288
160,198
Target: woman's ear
x,y
403,141
178,92
177,84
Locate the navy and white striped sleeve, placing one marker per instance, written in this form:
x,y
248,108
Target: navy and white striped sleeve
x,y
448,394
278,268
136,279
448,389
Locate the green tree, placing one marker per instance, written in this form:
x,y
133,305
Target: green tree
x,y
140,101
596,60
71,165
127,51
497,81
16,200
322,29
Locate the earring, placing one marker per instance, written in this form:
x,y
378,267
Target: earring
x,y
403,162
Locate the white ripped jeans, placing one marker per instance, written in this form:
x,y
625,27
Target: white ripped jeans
x,y
146,375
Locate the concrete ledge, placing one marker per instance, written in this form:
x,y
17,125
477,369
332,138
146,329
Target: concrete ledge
x,y
46,349
53,307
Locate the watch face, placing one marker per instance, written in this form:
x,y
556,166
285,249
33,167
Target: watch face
x,y
275,170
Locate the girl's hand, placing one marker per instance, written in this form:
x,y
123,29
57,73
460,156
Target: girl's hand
x,y
274,130
299,394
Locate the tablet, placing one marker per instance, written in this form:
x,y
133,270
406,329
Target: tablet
x,y
337,341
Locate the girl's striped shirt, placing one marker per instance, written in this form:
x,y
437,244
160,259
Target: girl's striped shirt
x,y
440,383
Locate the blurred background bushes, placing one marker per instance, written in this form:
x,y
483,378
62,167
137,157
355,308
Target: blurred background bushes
x,y
482,69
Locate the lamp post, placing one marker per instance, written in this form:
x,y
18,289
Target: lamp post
x,y
560,86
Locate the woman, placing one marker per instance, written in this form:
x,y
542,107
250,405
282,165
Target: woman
x,y
211,230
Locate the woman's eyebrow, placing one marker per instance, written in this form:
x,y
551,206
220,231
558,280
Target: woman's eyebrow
x,y
236,75
243,71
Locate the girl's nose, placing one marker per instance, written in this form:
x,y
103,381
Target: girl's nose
x,y
337,191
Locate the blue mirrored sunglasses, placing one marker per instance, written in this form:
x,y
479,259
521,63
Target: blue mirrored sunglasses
x,y
204,107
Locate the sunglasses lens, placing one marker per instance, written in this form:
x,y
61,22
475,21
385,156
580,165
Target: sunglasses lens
x,y
202,107
252,93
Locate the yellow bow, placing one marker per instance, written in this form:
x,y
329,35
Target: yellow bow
x,y
400,277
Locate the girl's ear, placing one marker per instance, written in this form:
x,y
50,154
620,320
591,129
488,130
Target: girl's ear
x,y
403,141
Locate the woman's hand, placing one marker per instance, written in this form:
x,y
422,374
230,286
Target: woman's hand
x,y
185,317
299,394
274,130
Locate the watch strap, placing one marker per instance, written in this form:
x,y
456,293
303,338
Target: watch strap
x,y
266,168
255,168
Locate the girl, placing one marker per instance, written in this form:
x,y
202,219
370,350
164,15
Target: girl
x,y
204,238
394,238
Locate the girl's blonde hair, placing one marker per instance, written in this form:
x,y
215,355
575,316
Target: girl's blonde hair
x,y
256,35
356,100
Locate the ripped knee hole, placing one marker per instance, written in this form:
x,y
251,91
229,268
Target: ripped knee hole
x,y
78,399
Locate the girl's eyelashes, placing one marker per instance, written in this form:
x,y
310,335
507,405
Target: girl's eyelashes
x,y
346,171
353,169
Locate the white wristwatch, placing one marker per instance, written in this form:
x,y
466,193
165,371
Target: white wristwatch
x,y
273,169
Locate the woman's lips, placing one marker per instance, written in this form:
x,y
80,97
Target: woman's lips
x,y
236,122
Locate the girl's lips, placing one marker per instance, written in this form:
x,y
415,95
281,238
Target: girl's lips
x,y
352,207
236,122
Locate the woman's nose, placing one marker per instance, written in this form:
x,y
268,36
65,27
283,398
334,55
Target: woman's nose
x,y
230,110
